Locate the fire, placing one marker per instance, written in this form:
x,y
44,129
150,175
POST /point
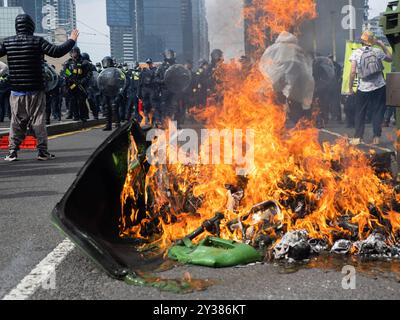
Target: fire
x,y
329,190
271,17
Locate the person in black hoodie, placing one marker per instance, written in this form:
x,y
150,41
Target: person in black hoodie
x,y
25,54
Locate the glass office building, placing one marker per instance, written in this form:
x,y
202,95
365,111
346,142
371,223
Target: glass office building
x,y
7,20
142,29
64,14
121,20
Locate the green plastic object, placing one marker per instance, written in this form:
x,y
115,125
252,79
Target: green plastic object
x,y
214,252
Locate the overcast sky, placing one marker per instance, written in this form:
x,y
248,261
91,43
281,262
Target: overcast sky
x,y
224,26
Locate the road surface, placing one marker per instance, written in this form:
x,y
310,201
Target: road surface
x,y
29,190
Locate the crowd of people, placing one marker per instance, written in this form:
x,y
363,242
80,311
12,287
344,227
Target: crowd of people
x,y
366,98
145,96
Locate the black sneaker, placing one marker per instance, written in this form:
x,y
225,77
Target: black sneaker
x,y
44,156
12,156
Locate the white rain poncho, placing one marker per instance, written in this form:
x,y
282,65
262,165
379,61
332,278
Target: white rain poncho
x,y
289,69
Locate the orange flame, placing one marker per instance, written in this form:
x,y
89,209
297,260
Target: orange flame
x,y
314,185
270,17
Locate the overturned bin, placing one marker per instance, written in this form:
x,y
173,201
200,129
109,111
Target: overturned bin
x,y
92,224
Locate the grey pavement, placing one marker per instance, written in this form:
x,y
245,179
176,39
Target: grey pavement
x,y
29,190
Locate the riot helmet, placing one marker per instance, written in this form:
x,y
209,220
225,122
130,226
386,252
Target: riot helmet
x,y
217,56
189,65
107,62
75,53
85,56
169,56
98,66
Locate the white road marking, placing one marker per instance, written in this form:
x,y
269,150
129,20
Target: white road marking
x,y
41,273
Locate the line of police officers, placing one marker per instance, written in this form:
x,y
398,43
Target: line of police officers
x,y
145,95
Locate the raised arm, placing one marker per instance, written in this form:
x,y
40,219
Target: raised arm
x,y
389,56
61,50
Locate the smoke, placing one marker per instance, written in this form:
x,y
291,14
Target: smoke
x,y
226,28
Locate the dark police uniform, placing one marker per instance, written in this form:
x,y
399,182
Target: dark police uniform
x,y
78,74
148,90
133,93
5,91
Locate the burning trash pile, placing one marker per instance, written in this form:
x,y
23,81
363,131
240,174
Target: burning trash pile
x,y
300,198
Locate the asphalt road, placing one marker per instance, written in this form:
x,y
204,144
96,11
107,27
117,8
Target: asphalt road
x,y
29,190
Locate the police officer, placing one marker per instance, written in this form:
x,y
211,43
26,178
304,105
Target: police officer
x,y
148,89
53,104
201,83
92,90
5,92
78,74
99,68
64,92
110,104
188,96
98,96
168,106
124,96
133,92
217,60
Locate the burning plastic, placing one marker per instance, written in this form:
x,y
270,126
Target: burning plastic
x,y
342,247
375,244
293,245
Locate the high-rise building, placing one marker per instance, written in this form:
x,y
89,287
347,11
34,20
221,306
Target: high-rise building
x,y
201,45
141,29
328,33
52,17
7,20
121,18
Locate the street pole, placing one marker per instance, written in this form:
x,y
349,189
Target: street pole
x,y
334,45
